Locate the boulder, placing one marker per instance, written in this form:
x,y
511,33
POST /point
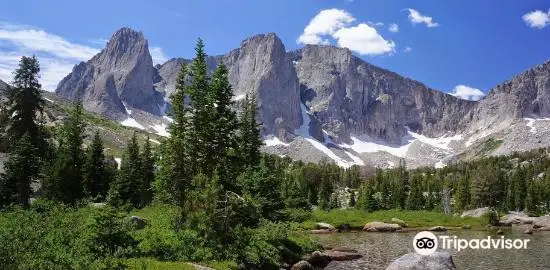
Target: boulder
x,y
324,226
479,212
342,256
302,265
528,231
415,261
466,227
377,226
323,231
137,222
319,259
500,232
399,222
438,229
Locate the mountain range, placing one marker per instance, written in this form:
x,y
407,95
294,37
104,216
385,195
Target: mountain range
x,y
323,103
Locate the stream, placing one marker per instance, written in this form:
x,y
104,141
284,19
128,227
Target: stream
x,y
380,249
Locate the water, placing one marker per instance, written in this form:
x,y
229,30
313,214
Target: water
x,y
380,249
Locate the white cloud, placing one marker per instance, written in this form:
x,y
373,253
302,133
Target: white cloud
x,y
407,49
466,92
363,39
336,25
327,22
537,19
394,28
158,55
416,17
57,56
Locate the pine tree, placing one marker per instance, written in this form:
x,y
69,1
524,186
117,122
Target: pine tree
x,y
250,134
147,173
224,127
462,194
415,200
96,177
175,170
24,105
126,189
21,169
201,206
64,181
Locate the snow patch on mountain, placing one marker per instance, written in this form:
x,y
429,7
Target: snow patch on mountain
x,y
303,131
273,141
131,122
363,144
439,142
239,97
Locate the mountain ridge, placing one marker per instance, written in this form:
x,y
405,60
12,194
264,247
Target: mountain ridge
x,y
355,112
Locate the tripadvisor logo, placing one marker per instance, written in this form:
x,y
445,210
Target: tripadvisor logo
x,y
426,243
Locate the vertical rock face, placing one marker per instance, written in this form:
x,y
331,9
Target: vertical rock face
x,y
122,72
350,96
525,95
261,67
3,88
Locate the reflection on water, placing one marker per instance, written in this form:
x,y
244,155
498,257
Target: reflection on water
x,y
380,249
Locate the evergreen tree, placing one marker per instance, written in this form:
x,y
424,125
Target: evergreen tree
x,y
224,127
250,134
64,181
24,105
415,200
201,206
147,173
125,191
462,194
175,173
96,177
22,168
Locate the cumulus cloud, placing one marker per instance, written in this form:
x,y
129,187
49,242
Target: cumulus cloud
x,y
57,56
394,28
338,25
363,39
416,17
537,19
158,55
467,93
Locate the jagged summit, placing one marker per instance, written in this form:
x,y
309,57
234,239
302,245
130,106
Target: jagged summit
x,y
122,73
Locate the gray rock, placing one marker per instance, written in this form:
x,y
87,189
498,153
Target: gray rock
x,y
137,222
438,229
318,259
302,265
377,226
122,72
325,226
479,212
342,255
415,261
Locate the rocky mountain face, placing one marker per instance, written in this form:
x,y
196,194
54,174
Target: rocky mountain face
x,y
350,96
527,95
259,67
122,72
322,102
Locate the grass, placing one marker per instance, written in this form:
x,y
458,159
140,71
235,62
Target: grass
x,y
415,219
153,264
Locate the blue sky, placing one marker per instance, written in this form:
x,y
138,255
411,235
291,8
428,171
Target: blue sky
x,y
476,44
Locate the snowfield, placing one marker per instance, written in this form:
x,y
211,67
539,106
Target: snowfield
x,y
131,122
